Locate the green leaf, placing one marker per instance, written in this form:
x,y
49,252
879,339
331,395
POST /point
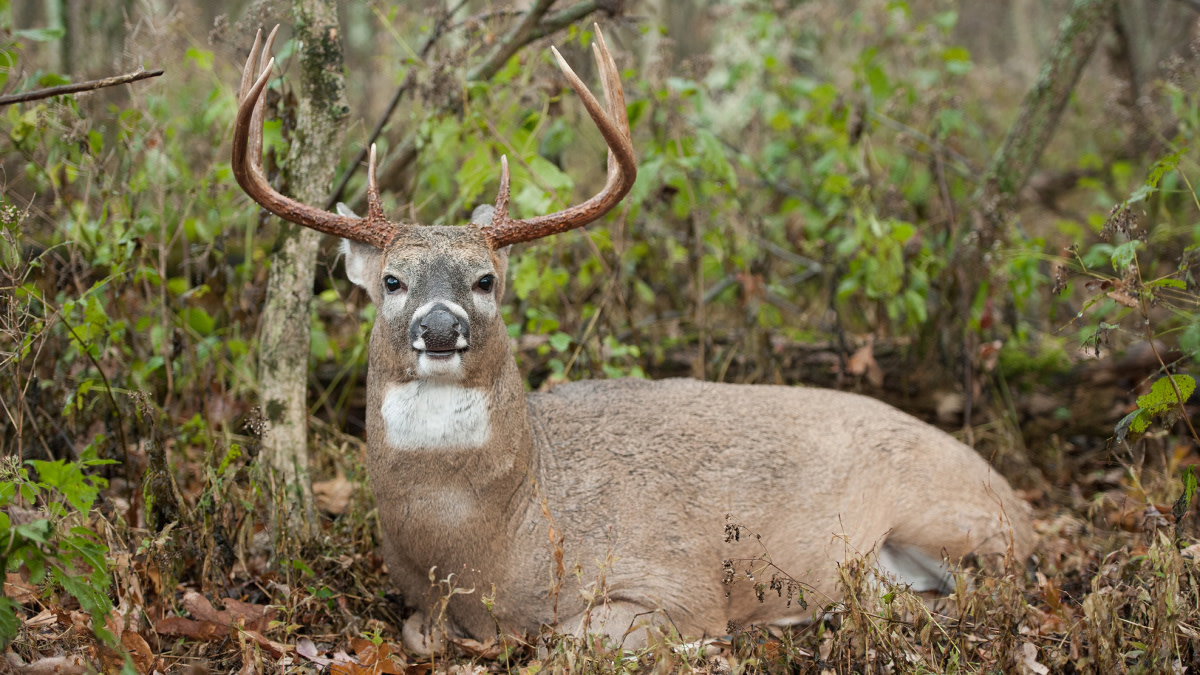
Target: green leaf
x,y
1162,395
1123,255
1162,166
38,531
560,341
957,60
1167,283
199,320
203,58
10,622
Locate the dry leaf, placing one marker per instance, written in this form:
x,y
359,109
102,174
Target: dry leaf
x,y
18,588
177,626
1029,663
139,650
333,496
488,649
43,618
1123,298
253,617
273,648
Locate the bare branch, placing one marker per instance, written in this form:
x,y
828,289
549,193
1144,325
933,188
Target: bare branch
x,y
139,74
518,37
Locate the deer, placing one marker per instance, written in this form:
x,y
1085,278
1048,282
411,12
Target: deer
x,y
508,496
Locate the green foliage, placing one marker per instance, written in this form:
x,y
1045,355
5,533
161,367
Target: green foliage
x,y
1164,401
53,541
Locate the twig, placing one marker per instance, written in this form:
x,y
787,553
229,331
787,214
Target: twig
x,y
139,74
518,37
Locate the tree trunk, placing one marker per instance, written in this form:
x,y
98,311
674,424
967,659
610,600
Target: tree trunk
x,y
285,339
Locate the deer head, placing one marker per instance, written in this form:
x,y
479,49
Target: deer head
x,y
426,298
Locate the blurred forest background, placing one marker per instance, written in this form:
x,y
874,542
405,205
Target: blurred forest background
x,y
822,199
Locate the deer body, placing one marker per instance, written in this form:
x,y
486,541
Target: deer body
x,y
474,479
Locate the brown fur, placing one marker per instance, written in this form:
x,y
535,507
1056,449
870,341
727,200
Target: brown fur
x,y
638,478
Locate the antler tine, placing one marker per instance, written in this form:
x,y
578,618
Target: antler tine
x,y
500,212
247,165
374,204
622,166
256,121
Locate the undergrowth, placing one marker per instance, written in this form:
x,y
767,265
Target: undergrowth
x,y
799,196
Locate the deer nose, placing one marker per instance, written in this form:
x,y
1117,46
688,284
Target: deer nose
x,y
439,330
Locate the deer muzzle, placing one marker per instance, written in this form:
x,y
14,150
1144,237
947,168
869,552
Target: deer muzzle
x,y
440,332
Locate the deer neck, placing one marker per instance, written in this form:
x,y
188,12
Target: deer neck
x,y
470,434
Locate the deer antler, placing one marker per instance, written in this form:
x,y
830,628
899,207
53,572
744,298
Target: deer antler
x,y
375,229
622,167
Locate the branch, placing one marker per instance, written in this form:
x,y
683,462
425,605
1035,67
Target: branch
x,y
518,37
531,28
139,74
410,79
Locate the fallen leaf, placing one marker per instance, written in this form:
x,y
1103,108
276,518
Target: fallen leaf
x,y
251,616
256,617
43,618
488,650
18,588
273,648
177,626
333,496
139,650
1029,662
200,608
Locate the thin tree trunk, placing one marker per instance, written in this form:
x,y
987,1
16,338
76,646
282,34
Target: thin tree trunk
x,y
285,339
1014,162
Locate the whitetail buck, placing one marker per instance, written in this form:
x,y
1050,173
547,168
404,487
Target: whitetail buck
x,y
471,473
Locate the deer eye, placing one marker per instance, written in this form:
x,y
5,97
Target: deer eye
x,y
485,282
392,284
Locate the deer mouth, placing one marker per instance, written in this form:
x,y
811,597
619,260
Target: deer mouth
x,y
444,355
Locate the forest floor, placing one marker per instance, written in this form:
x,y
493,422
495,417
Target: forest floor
x,y
1112,586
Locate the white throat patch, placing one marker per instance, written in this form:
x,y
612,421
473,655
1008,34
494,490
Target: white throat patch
x,y
432,415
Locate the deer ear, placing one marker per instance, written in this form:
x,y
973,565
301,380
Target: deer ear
x,y
362,260
481,217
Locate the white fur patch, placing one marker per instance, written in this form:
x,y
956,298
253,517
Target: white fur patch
x,y
393,304
445,370
432,415
485,303
911,566
455,309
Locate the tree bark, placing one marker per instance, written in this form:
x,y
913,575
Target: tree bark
x,y
285,340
